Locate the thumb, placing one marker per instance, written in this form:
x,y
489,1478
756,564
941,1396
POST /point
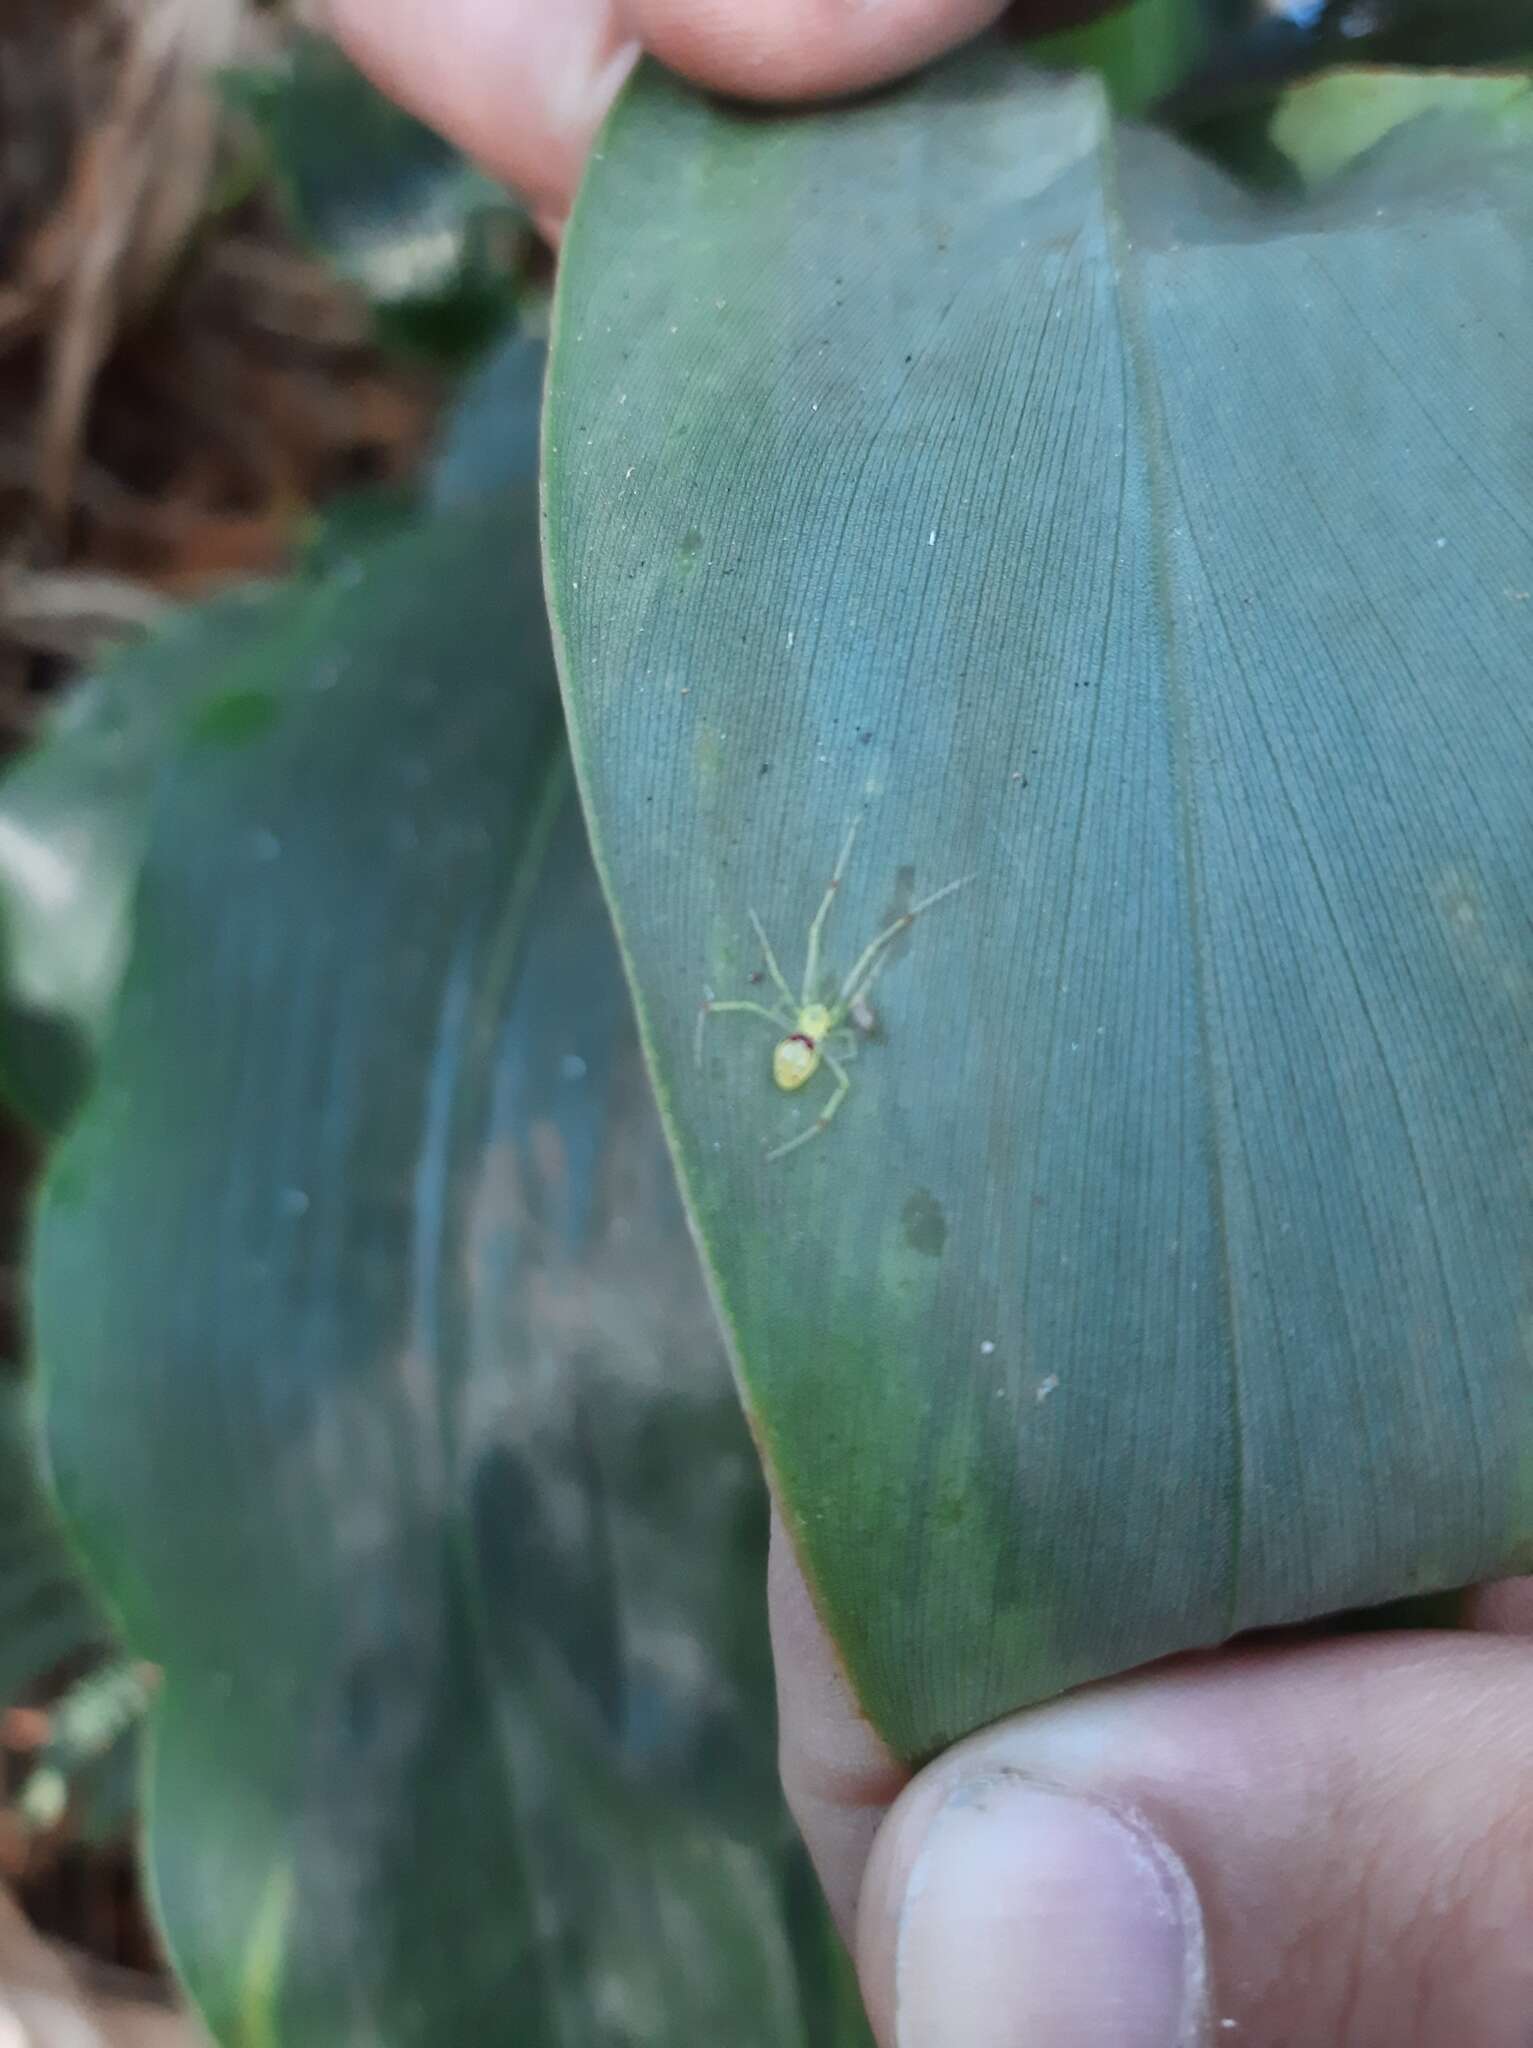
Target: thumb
x,y
1020,1912
1327,1843
1307,1844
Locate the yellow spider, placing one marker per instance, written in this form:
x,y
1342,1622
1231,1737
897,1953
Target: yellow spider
x,y
816,1031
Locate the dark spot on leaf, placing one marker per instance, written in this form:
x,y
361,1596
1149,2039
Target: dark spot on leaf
x,y
233,717
865,737
925,1224
765,768
951,1509
365,1699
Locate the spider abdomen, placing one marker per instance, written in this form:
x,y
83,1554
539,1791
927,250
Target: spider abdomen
x,y
798,1056
796,1060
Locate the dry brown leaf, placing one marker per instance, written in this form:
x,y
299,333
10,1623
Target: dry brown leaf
x,y
138,189
78,613
47,2001
56,58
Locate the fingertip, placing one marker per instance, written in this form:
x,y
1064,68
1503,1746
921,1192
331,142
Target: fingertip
x,y
839,1777
804,49
1337,1811
1017,1911
519,86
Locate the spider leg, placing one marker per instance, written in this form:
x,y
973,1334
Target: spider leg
x,y
821,1122
778,977
855,988
713,1009
812,957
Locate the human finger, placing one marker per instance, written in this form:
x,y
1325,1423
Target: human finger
x,y
520,85
523,86
1326,1842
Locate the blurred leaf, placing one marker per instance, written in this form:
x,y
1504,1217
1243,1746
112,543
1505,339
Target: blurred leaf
x,y
356,522
493,432
1142,51
74,809
105,1794
440,1517
1325,126
74,813
1161,557
46,1616
434,244
1276,46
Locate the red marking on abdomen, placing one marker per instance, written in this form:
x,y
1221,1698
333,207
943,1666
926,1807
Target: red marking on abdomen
x,y
801,1038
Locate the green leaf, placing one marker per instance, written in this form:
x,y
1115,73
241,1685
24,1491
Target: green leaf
x,y
46,1615
1161,556
1326,125
356,522
73,816
1142,51
1273,47
49,1624
492,436
75,808
424,1481
433,243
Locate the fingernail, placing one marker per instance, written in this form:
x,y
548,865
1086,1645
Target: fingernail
x,y
1037,1919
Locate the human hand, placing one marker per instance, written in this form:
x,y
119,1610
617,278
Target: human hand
x,y
1304,1844
523,85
